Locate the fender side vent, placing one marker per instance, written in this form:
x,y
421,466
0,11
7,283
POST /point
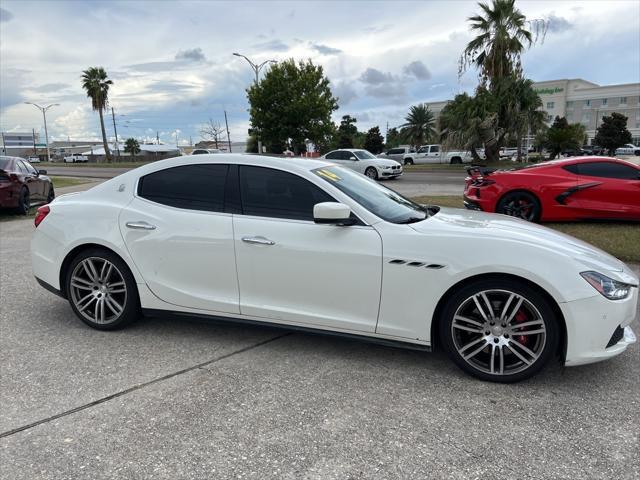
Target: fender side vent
x,y
435,266
415,264
397,261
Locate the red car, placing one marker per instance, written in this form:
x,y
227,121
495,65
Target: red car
x,y
22,186
571,189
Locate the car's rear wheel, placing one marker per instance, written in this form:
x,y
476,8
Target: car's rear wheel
x,y
24,201
499,330
520,204
52,194
456,161
372,173
408,161
101,290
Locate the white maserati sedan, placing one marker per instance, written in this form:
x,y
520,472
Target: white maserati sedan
x,y
365,162
310,245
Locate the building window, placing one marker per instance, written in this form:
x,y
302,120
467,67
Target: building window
x,y
550,105
623,100
587,103
569,105
549,118
605,101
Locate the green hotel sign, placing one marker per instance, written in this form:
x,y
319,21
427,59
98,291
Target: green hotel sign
x,y
549,91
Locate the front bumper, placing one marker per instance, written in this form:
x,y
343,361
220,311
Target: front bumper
x,y
391,173
591,326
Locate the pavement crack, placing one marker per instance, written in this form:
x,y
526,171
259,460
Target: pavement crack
x,y
139,386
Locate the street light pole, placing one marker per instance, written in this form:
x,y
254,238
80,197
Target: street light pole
x,y
256,69
44,116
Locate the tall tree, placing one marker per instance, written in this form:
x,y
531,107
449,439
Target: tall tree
x,y
393,138
132,147
374,141
292,103
96,83
502,35
347,132
419,126
612,132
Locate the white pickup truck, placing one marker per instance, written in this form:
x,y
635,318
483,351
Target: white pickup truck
x,y
76,157
435,154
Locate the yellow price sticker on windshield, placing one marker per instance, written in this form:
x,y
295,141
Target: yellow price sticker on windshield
x,y
329,175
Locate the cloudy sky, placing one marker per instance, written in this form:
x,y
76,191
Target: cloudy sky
x,y
172,64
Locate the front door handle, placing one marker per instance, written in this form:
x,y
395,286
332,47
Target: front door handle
x,y
140,225
259,240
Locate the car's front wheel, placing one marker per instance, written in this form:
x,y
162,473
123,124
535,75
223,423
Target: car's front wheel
x,y
372,173
499,330
101,290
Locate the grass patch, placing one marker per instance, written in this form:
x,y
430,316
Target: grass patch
x,y
622,240
94,165
61,182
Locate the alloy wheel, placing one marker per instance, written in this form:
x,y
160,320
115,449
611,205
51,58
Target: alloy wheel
x,y
520,206
498,332
98,290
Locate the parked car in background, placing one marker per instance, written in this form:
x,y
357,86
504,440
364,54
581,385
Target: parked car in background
x,y
76,158
316,246
435,154
583,188
628,149
205,151
397,153
592,150
365,162
33,159
22,186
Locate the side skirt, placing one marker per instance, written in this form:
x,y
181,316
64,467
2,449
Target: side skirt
x,y
147,312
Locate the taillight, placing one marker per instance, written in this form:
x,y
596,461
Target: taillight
x,y
41,213
482,182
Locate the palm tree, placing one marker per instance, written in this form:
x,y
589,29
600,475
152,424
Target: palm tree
x,y
96,84
420,125
132,146
502,36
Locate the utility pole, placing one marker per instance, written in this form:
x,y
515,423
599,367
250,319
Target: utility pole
x,y
33,134
176,138
386,134
4,147
157,137
113,117
228,137
256,68
44,115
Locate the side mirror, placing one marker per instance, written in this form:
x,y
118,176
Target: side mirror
x,y
42,172
332,213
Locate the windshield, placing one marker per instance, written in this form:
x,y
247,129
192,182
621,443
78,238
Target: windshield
x,y
363,155
379,200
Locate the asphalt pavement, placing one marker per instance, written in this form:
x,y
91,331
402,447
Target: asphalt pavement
x,y
175,399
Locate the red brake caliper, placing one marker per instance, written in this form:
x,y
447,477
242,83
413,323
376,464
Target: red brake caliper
x,y
521,317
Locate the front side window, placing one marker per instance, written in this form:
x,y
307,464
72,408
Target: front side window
x,y
379,200
332,156
423,150
609,170
30,168
435,149
266,192
21,168
364,155
193,187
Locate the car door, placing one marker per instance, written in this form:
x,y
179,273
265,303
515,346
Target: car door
x,y
39,184
292,270
30,180
612,190
180,237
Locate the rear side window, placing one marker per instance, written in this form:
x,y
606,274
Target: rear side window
x,y
608,170
572,168
333,156
266,192
5,163
194,187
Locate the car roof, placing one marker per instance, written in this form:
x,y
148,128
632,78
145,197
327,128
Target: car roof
x,y
299,164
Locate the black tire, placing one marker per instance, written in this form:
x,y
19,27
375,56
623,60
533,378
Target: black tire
x,y
372,173
52,194
520,204
456,161
129,301
544,344
408,161
24,202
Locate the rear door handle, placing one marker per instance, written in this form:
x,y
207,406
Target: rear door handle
x,y
140,225
259,240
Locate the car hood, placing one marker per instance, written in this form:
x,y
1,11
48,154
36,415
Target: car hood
x,y
502,227
384,162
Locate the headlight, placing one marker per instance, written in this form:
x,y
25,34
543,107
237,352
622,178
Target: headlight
x,y
387,168
610,288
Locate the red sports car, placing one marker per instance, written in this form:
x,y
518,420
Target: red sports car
x,y
571,189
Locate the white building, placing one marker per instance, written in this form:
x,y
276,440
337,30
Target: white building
x,y
585,102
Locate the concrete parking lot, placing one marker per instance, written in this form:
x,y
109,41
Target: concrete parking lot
x,y
174,399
